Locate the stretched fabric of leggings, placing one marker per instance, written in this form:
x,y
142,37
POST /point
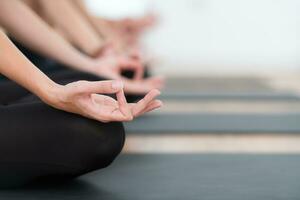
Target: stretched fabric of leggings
x,y
38,142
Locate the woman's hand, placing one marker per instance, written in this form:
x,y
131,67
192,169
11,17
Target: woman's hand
x,y
111,65
89,100
132,86
139,24
143,86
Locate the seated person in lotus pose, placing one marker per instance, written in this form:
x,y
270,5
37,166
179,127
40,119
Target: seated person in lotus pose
x,y
59,127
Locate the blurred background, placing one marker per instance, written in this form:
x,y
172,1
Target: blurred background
x,y
215,36
232,67
231,115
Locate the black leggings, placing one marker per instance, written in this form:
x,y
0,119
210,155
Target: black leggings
x,y
38,142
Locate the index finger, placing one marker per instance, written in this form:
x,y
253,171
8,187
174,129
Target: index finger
x,y
100,87
142,104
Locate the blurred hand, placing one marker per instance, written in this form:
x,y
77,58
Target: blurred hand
x,y
111,65
143,86
134,52
138,25
89,100
112,68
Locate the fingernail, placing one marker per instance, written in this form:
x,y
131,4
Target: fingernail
x,y
116,85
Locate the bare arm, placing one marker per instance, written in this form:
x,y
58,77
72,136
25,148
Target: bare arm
x,y
24,25
124,34
80,97
28,28
65,16
102,26
16,67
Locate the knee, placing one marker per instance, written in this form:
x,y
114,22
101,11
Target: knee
x,y
109,139
88,144
114,141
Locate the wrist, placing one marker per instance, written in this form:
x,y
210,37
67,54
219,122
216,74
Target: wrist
x,y
52,93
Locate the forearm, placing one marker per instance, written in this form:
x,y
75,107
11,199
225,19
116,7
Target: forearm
x,y
67,18
16,67
25,26
100,25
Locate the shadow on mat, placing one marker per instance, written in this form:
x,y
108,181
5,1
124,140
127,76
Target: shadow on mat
x,y
76,189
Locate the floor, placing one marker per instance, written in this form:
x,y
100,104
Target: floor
x,y
258,143
213,143
177,177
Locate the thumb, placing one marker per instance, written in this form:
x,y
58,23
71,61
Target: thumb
x,y
139,74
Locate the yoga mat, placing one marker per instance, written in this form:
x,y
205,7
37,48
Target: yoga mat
x,y
218,84
224,88
222,96
177,177
197,106
215,123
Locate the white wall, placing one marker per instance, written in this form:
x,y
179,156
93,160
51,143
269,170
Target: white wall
x,y
218,35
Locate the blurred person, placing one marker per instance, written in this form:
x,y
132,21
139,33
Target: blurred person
x,y
108,68
66,17
55,127
71,17
124,33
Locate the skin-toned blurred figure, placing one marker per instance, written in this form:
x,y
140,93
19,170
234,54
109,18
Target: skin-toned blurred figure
x,y
110,44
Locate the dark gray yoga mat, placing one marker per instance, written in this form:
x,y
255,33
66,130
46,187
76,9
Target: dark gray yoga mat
x,y
177,177
216,123
221,96
218,84
224,88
